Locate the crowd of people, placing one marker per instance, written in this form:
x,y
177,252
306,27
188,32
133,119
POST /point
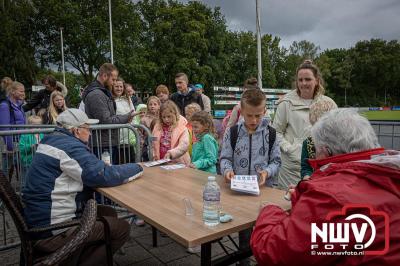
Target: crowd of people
x,y
310,149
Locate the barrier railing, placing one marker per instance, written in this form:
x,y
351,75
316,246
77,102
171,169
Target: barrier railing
x,y
16,161
388,133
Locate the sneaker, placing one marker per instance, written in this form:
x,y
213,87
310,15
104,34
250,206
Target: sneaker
x,y
137,221
195,249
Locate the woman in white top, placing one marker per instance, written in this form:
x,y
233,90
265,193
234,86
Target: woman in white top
x,y
292,121
126,136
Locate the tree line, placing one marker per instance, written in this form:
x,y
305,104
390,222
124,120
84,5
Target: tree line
x,y
155,39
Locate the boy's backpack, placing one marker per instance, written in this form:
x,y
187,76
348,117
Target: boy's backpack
x,y
271,137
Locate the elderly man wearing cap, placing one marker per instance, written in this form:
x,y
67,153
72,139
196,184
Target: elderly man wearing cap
x,y
60,179
206,100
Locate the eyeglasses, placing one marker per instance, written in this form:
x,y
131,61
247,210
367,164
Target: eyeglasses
x,y
329,151
87,128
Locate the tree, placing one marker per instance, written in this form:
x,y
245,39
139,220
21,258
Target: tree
x,y
339,80
178,38
304,49
16,49
86,32
376,71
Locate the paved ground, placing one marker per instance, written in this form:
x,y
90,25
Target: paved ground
x,y
137,251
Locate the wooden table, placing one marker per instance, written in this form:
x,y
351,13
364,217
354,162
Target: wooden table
x,y
158,196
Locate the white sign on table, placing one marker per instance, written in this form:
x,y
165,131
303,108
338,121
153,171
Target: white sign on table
x,y
245,184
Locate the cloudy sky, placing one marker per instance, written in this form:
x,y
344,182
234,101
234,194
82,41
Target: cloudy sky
x,y
327,23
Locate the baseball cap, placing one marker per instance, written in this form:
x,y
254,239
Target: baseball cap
x,y
74,118
198,86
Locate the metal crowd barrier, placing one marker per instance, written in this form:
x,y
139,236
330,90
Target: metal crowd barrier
x,y
15,162
388,133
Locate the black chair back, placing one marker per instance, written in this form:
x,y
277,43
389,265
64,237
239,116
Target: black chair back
x,y
14,206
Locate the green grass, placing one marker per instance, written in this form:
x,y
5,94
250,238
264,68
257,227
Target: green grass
x,y
382,115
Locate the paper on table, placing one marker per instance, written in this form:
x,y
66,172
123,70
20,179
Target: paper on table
x,y
154,163
134,177
173,166
245,184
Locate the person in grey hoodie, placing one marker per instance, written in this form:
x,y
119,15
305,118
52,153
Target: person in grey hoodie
x,y
99,104
252,153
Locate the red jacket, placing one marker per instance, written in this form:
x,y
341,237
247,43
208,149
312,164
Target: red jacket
x,y
280,238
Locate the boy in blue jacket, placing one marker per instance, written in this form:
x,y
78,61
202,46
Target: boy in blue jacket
x,y
251,148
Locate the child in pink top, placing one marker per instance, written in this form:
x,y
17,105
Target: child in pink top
x,y
171,135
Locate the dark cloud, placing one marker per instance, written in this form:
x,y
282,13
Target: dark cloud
x,y
327,23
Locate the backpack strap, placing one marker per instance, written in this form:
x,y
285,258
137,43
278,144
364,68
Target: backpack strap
x,y
271,140
234,135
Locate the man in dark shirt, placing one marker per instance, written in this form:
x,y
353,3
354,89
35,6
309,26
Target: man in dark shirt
x,y
41,100
184,96
99,104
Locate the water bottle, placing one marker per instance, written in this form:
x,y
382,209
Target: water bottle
x,y
211,202
105,156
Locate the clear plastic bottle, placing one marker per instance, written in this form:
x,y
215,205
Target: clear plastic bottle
x,y
211,202
105,156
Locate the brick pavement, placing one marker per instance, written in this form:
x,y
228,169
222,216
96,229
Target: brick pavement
x,y
137,251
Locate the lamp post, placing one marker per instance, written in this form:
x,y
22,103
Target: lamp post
x,y
259,76
111,37
62,55
385,98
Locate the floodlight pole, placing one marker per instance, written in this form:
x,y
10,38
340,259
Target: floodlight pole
x,y
259,76
111,36
62,55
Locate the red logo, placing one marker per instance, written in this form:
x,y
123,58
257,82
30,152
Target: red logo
x,y
355,221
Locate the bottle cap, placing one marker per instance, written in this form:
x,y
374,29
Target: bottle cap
x,y
211,178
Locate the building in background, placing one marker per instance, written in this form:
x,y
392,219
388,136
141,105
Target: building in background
x,y
225,98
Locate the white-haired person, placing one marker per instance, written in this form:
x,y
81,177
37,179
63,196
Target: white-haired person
x,y
353,175
317,109
59,181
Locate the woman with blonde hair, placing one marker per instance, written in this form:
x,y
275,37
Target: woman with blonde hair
x,y
124,105
11,112
292,122
57,106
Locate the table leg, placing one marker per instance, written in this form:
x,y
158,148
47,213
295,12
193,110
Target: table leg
x,y
154,233
206,254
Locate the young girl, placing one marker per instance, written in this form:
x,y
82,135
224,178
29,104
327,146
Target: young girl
x,y
27,146
191,109
142,110
162,93
205,150
57,106
153,110
137,120
172,137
